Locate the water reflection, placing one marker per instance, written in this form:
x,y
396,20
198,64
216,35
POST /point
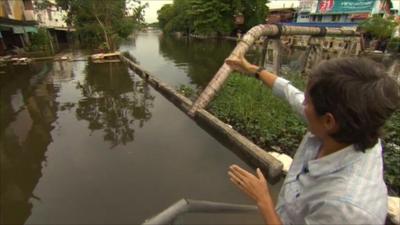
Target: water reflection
x,y
28,109
113,102
201,57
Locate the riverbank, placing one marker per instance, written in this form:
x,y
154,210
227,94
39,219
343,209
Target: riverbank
x,y
254,111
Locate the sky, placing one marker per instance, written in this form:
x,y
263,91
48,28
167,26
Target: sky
x,y
150,15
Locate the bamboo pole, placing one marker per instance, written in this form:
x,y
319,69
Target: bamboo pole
x,y
248,40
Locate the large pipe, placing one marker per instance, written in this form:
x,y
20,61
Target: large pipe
x,y
248,40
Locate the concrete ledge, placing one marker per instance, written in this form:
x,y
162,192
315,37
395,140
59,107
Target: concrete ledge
x,y
258,156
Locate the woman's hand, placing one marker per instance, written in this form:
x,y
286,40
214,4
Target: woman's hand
x,y
241,64
254,186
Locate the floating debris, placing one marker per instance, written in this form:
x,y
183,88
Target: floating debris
x,y
106,57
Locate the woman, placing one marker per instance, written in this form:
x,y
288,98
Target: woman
x,y
336,175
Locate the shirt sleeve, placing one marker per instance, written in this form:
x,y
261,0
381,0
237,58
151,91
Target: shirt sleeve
x,y
339,212
283,89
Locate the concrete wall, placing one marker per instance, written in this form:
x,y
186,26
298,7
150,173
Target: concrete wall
x,y
283,4
51,17
17,9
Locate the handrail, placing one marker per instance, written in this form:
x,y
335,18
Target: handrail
x,y
271,30
170,214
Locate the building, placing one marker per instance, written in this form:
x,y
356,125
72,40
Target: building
x,y
342,13
281,15
283,4
17,22
52,18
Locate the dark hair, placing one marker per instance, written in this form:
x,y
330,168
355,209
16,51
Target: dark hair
x,y
358,93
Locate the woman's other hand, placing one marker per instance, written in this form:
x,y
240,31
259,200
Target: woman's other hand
x,y
253,186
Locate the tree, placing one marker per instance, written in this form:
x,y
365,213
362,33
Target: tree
x,y
379,27
102,23
254,12
210,16
175,17
165,16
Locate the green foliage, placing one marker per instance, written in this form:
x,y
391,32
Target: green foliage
x,y
40,41
394,45
392,153
175,17
102,23
165,15
209,16
254,11
252,109
187,91
379,27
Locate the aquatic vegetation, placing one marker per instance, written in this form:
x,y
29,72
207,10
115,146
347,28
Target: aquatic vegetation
x,y
254,111
186,91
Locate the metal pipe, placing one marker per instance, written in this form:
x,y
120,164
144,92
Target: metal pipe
x,y
169,215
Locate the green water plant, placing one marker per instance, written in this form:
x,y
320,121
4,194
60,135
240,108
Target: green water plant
x,y
254,111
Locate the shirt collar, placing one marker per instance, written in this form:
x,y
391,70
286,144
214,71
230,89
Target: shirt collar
x,y
334,161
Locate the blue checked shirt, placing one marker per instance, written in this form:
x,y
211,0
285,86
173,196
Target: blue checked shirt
x,y
345,187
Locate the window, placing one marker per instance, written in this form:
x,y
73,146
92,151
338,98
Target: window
x,y
49,14
335,18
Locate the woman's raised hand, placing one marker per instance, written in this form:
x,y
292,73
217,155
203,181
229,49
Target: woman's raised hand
x,y
241,64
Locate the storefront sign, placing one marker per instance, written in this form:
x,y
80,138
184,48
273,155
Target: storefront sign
x,y
345,6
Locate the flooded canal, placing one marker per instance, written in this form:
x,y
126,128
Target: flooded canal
x,y
84,143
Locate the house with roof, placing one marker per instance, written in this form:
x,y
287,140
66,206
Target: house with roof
x,y
17,22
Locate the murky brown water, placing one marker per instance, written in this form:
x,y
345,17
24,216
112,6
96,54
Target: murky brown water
x,y
93,144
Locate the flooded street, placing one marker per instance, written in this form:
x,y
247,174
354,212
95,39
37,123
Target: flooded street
x,y
85,143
